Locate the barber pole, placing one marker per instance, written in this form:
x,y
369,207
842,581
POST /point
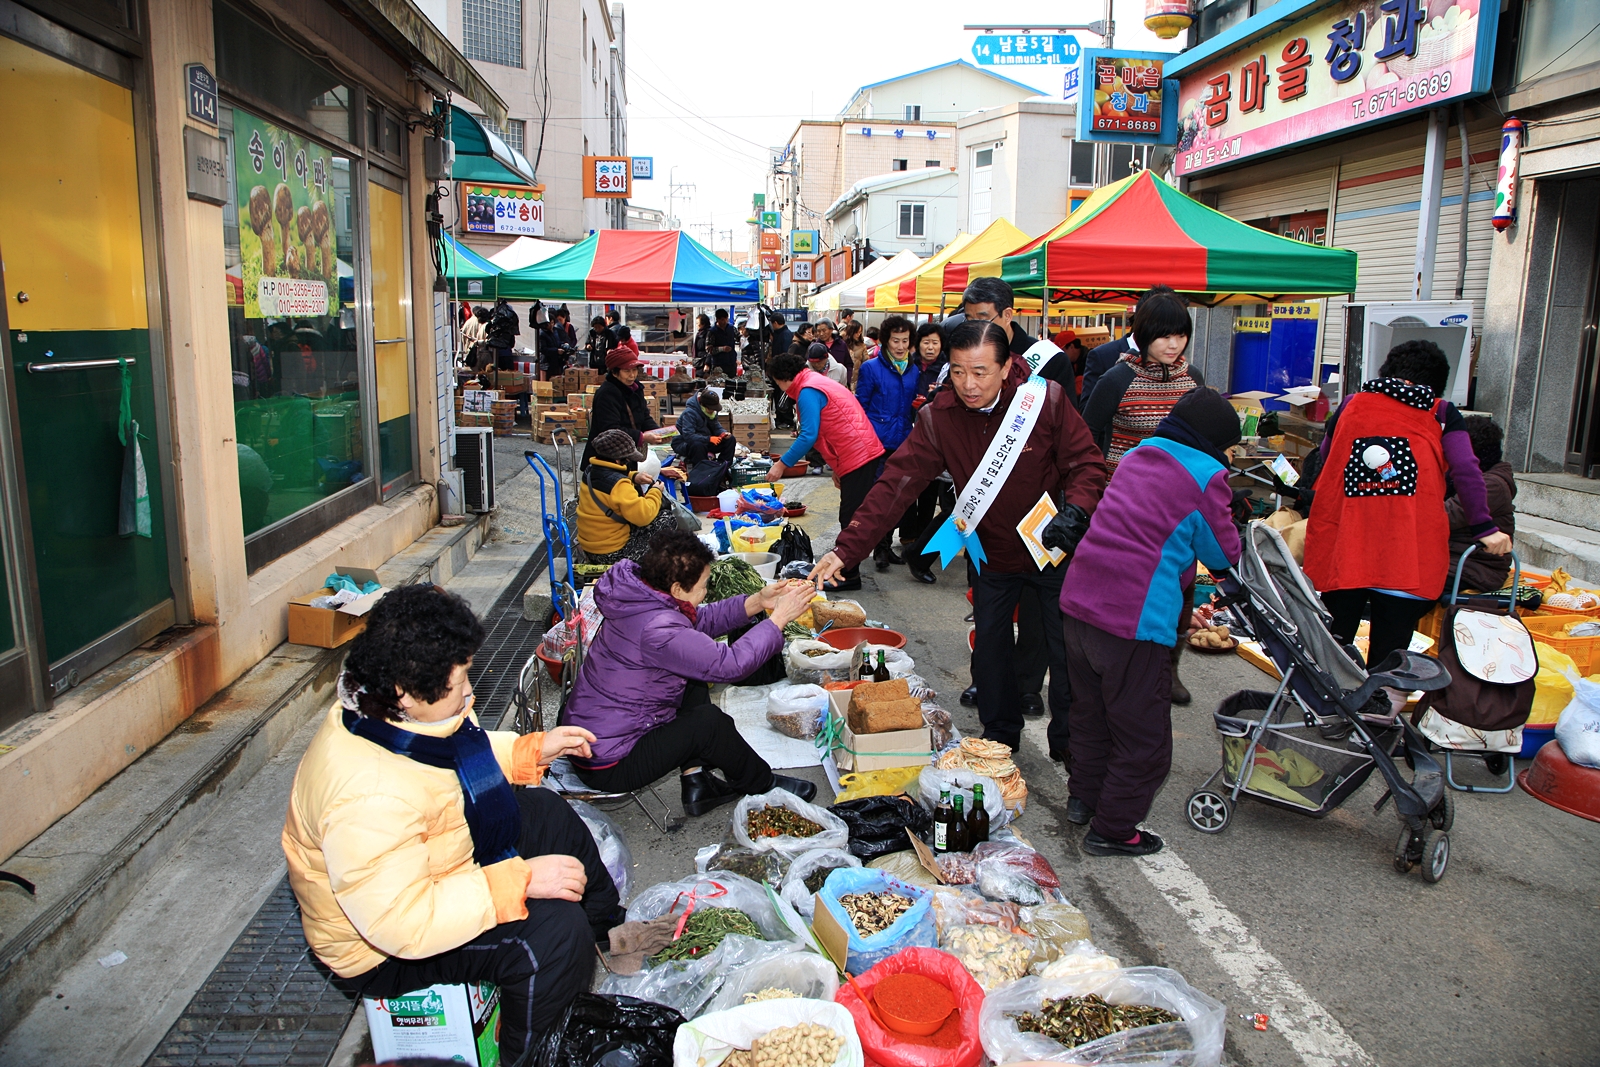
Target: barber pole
x,y
1505,192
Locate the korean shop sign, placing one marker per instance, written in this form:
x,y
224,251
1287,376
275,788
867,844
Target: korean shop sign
x,y
285,198
607,177
508,209
1125,97
1344,66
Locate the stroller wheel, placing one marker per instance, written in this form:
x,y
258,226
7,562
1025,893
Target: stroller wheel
x,y
1495,764
1443,816
1435,856
1404,856
1209,812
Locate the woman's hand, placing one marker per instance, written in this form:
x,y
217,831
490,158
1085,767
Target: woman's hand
x,y
1497,543
651,437
556,878
776,471
792,603
765,600
641,478
565,741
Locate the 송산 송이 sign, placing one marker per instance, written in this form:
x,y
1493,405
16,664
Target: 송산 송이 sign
x,y
508,209
1344,66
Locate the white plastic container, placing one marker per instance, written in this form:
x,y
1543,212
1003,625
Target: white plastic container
x,y
728,501
765,563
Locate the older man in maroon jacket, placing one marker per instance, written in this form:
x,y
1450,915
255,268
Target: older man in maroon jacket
x,y
957,432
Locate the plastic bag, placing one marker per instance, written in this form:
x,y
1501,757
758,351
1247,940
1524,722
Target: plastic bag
x,y
794,546
795,891
1055,929
828,665
993,955
802,972
1552,691
878,825
706,1041
892,1050
1020,859
1196,1042
891,781
962,907
609,840
1080,957
1578,729
834,833
932,780
958,868
776,920
612,1030
764,867
906,867
797,710
999,882
687,986
913,929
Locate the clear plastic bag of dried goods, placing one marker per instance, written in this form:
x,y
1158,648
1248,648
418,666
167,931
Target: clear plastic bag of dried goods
x,y
797,710
993,955
708,1040
813,867
1019,858
688,985
832,832
608,839
999,882
1196,1041
776,919
802,972
1055,929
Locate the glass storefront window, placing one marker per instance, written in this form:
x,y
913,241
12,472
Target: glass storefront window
x,y
291,272
391,331
1557,36
251,59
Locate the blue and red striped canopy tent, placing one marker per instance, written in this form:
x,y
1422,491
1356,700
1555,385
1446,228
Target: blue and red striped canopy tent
x,y
632,266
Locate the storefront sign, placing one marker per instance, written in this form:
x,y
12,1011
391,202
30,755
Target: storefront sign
x,y
769,220
769,261
509,209
1125,97
1294,311
899,133
607,177
1070,82
202,93
771,241
800,269
1342,67
644,168
1252,325
205,166
1025,50
803,242
283,191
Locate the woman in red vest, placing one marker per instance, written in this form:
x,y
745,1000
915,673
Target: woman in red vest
x,y
832,421
1378,542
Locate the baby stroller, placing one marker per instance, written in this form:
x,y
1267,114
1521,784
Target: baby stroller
x,y
1317,739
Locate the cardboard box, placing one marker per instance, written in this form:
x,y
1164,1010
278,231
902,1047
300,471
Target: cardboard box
x,y
875,752
332,627
543,388
442,1022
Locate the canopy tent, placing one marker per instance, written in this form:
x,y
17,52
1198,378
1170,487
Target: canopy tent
x,y
1140,232
852,292
638,266
526,251
482,155
469,275
923,288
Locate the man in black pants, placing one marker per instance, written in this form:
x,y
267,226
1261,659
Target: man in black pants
x,y
722,344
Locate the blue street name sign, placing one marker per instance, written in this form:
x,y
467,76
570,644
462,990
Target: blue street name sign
x,y
1025,49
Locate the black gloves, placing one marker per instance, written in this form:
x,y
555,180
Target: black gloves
x,y
1301,496
1066,529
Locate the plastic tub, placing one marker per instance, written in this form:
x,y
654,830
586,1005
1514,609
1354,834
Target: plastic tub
x,y
728,500
1534,738
765,563
851,636
1585,651
702,504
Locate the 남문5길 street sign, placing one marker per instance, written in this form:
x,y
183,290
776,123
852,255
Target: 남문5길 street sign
x,y
1344,66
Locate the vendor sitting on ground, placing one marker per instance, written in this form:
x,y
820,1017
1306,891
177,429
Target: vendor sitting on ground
x,y
643,687
414,860
1484,572
700,435
619,505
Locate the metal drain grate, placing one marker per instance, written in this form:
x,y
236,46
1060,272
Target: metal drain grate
x,y
511,639
269,1001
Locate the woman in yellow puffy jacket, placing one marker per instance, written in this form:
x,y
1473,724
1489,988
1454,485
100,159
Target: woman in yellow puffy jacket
x,y
414,859
619,509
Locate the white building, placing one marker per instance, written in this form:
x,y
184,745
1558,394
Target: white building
x,y
913,210
560,66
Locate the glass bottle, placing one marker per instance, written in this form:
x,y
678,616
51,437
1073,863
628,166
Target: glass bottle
x,y
956,836
882,673
977,819
941,822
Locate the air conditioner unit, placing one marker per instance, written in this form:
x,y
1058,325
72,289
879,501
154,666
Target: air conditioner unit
x,y
475,460
1373,328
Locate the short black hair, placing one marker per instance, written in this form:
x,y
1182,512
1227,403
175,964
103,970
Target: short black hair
x,y
415,636
976,333
802,328
674,556
776,318
709,400
929,329
1160,316
722,313
786,366
1157,290
895,324
1486,437
872,333
989,290
1419,362
598,322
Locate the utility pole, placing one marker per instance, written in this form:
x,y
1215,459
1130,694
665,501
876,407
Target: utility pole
x,y
674,187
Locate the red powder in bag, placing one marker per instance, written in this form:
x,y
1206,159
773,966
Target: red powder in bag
x,y
947,1036
912,998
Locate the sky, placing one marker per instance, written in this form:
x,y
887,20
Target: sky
x,y
712,84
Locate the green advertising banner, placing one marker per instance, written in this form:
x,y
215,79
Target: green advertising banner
x,y
284,197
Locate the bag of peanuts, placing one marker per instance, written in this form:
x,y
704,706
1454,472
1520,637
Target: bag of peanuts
x,y
783,1032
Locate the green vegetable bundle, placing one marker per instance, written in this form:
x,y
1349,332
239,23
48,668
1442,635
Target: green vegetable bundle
x,y
731,577
705,930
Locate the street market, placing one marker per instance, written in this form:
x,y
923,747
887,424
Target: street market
x,y
1108,573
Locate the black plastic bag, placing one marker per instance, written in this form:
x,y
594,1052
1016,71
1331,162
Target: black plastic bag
x,y
708,477
612,1031
878,824
793,546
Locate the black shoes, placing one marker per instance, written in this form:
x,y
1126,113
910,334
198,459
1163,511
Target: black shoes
x,y
1078,813
926,577
1095,845
969,697
1032,705
703,791
798,786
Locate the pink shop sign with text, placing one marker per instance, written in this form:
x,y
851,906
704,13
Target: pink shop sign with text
x,y
1347,65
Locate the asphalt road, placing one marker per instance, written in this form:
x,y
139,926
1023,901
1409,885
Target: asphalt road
x,y
1305,920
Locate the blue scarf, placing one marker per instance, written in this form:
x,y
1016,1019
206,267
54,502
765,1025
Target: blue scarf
x,y
493,816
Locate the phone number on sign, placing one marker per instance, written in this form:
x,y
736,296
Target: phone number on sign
x,y
1397,96
1127,125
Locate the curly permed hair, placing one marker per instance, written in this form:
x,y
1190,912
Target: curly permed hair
x,y
415,636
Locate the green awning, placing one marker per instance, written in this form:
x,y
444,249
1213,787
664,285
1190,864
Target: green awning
x,y
469,275
482,155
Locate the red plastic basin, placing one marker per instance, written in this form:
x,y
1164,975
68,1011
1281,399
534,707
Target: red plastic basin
x,y
851,636
1561,783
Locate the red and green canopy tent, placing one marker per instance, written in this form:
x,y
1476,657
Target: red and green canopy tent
x,y
1140,232
637,266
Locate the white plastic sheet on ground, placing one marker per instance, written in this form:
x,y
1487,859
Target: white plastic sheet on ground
x,y
747,706
708,1040
1196,1042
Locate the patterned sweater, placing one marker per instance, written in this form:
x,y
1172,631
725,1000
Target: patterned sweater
x,y
1131,400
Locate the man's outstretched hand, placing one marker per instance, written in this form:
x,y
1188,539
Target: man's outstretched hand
x,y
829,567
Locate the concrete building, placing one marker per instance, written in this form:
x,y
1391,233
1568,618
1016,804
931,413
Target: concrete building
x,y
912,210
1021,162
561,67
